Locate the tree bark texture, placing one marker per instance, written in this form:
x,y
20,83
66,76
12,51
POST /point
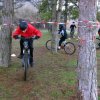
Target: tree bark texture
x,y
5,33
54,27
59,12
66,13
87,63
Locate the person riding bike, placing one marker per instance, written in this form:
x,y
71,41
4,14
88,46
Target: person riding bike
x,y
63,33
26,30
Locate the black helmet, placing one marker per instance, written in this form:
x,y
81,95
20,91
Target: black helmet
x,y
23,25
61,26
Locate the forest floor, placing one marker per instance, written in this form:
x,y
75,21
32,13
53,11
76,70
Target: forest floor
x,y
53,76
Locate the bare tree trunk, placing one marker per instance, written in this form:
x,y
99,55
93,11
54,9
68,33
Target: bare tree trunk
x,y
5,33
54,27
87,65
56,17
60,4
66,12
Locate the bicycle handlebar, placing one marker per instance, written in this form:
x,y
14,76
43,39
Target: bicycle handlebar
x,y
24,38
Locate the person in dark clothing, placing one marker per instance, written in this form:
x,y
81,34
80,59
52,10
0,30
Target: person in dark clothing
x,y
63,33
72,29
26,30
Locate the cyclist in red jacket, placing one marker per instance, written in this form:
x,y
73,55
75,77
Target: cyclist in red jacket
x,y
26,30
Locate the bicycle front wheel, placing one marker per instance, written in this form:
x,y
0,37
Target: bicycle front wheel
x,y
26,65
69,48
48,44
97,43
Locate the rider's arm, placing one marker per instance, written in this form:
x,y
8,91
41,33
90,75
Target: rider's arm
x,y
36,32
75,26
16,33
61,32
37,37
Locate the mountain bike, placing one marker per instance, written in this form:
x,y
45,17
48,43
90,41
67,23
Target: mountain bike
x,y
68,47
26,56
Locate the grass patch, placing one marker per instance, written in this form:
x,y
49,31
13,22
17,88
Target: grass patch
x,y
45,36
98,55
72,63
68,77
56,94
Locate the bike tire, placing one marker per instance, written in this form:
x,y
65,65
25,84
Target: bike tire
x,y
97,43
26,65
48,44
69,48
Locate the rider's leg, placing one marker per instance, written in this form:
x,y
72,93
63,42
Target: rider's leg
x,y
72,33
21,49
31,52
61,40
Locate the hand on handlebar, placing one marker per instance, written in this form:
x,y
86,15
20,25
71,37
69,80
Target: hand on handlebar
x,y
23,38
20,37
17,37
37,37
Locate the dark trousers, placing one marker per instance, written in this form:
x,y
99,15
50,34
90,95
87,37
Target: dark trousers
x,y
61,40
30,43
71,33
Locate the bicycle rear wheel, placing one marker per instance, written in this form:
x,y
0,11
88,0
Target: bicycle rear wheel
x,y
26,65
97,43
69,48
48,44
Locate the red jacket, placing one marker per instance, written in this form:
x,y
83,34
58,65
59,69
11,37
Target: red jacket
x,y
30,32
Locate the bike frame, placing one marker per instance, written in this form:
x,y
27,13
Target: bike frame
x,y
26,54
26,58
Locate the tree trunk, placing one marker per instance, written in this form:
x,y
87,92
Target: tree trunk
x,y
66,13
87,65
54,27
5,33
60,4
